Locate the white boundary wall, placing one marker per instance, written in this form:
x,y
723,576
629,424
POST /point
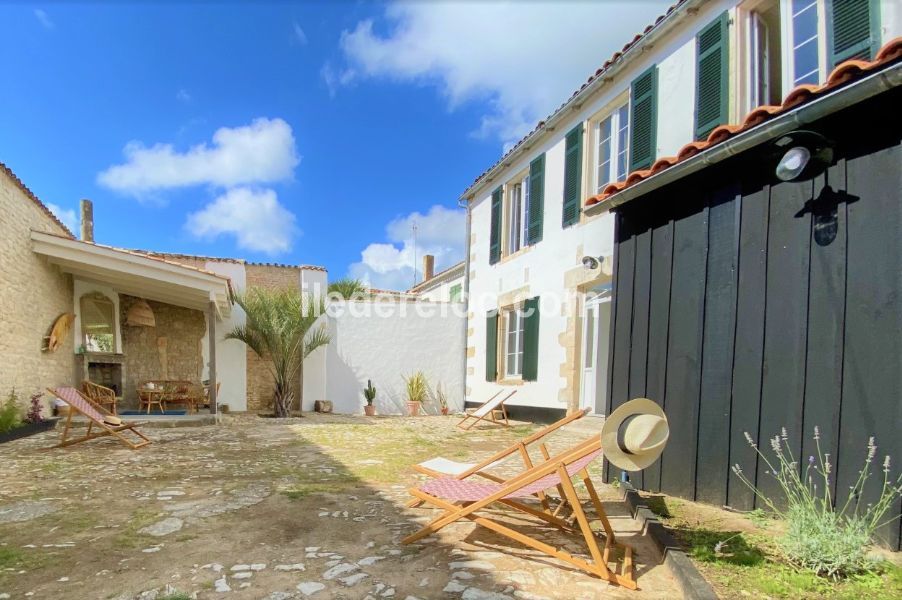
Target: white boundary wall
x,y
383,341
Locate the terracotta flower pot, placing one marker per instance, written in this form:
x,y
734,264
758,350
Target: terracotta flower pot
x,y
370,410
444,410
413,408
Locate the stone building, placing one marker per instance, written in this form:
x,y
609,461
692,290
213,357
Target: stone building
x,y
48,273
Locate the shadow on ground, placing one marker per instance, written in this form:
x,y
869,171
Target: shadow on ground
x,y
265,508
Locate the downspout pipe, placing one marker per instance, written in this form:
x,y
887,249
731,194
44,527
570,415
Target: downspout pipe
x,y
815,110
462,203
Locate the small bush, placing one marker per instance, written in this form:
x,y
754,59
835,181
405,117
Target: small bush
x,y
34,410
9,413
417,387
823,535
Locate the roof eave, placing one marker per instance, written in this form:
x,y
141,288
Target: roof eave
x,y
831,102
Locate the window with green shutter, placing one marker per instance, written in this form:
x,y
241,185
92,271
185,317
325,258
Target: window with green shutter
x,y
855,26
491,346
454,294
495,233
531,339
644,109
535,219
573,175
712,77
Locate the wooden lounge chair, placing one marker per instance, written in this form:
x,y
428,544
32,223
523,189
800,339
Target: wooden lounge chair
x,y
100,394
478,497
99,417
443,467
486,412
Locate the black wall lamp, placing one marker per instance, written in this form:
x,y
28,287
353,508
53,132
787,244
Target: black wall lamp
x,y
802,154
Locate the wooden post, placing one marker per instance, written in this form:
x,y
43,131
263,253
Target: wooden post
x,y
211,332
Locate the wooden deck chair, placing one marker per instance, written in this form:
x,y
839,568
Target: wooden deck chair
x,y
479,496
97,417
443,467
486,412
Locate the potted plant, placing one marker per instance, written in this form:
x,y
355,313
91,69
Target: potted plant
x,y
369,392
441,398
417,391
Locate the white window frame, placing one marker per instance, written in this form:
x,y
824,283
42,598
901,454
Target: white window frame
x,y
790,43
618,156
512,360
516,214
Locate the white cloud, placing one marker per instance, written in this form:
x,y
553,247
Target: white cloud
x,y
183,96
256,219
44,18
522,58
262,152
299,35
66,215
390,264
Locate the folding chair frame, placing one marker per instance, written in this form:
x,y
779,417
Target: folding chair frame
x,y
600,555
490,417
116,431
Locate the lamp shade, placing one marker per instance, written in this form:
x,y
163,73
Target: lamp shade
x,y
140,315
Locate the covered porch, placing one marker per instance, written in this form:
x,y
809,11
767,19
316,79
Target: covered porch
x,y
144,326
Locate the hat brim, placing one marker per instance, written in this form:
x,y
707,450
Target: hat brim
x,y
611,449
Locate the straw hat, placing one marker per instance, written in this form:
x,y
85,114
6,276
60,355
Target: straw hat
x,y
111,420
634,435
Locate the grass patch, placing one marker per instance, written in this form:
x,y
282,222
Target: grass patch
x,y
741,559
11,558
129,536
175,596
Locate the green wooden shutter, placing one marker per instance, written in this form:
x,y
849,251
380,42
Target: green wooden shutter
x,y
454,294
712,77
573,175
531,340
856,30
644,113
495,234
536,200
491,346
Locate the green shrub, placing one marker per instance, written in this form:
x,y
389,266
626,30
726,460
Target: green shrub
x,y
417,387
823,535
10,418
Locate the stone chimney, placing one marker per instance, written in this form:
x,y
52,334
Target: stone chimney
x,y
428,267
87,220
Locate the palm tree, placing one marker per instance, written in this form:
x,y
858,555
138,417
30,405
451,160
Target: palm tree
x,y
281,329
348,289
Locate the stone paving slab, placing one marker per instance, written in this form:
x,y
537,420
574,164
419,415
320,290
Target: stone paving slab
x,y
278,509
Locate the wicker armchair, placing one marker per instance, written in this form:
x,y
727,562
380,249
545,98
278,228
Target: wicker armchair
x,y
101,395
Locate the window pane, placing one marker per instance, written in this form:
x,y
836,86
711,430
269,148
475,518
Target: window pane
x,y
805,42
603,173
513,234
623,140
806,63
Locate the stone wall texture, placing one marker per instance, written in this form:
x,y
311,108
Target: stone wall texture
x,y
259,378
33,293
171,350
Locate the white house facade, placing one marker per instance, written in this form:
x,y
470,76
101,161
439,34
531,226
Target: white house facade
x,y
538,270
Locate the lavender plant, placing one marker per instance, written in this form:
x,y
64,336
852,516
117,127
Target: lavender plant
x,y
824,535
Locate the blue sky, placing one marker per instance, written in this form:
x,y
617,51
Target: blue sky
x,y
295,133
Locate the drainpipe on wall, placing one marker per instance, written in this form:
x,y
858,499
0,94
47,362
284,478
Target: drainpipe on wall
x,y
466,294
87,220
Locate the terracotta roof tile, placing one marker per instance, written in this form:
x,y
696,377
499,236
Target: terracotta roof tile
x,y
9,173
843,73
615,58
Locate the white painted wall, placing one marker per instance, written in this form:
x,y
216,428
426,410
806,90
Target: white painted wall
x,y
82,287
231,355
383,341
441,291
316,283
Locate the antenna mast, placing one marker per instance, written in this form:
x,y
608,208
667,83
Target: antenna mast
x,y
414,227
